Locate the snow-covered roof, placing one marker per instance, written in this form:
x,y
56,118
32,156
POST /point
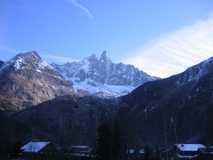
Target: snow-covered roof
x,y
34,146
131,151
189,147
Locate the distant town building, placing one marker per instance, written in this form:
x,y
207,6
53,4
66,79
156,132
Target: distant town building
x,y
135,153
38,150
187,151
81,151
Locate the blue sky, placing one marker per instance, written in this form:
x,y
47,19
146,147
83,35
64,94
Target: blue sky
x,y
63,30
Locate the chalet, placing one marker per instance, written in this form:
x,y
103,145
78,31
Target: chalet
x,y
38,149
187,151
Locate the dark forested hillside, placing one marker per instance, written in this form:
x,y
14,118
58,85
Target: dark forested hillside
x,y
67,120
176,109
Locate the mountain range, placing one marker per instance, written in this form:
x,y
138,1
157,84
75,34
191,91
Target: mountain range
x,y
27,80
159,113
102,77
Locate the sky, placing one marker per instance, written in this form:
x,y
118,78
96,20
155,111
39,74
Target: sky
x,y
162,37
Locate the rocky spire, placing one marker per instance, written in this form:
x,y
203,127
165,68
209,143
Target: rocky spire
x,y
92,57
103,57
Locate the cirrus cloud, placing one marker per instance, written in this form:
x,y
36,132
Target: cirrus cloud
x,y
174,52
77,4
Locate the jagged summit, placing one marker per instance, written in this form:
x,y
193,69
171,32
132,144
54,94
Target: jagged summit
x,y
101,75
28,61
30,54
104,58
92,57
31,60
27,80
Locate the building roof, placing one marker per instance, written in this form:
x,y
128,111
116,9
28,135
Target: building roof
x,y
189,147
34,147
80,146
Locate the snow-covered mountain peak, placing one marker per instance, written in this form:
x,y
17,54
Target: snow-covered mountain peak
x,y
33,81
28,55
29,60
91,58
96,75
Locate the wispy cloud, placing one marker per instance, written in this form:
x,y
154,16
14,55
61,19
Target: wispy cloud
x,y
176,51
77,4
57,59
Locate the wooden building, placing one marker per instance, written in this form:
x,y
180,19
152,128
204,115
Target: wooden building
x,y
38,150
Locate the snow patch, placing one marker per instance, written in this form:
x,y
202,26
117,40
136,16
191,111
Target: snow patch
x,y
113,90
43,64
18,63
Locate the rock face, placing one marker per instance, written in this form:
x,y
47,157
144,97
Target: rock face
x,y
173,110
100,76
27,80
1,63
